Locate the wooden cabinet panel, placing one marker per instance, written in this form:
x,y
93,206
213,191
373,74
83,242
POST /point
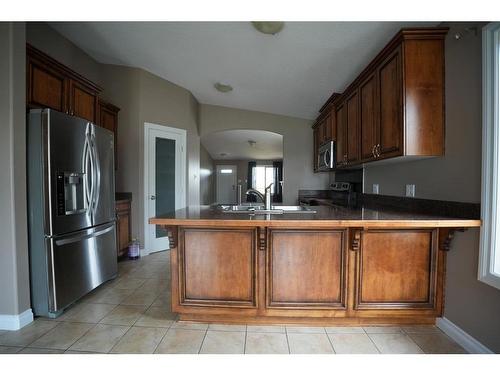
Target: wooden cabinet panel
x,y
390,83
108,119
396,269
327,124
218,267
368,117
340,120
316,144
352,128
305,269
83,102
123,227
45,87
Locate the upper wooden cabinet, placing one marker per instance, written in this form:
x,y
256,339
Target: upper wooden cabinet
x,y
108,119
50,84
324,130
395,107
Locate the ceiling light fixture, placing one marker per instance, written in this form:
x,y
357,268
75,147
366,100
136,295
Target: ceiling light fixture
x,y
269,28
223,87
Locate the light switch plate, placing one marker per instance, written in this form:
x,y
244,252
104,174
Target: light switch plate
x,y
410,190
375,189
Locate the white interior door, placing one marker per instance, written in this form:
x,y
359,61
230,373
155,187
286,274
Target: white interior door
x,y
164,179
226,184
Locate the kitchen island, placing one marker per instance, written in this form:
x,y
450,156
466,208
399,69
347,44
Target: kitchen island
x,y
338,266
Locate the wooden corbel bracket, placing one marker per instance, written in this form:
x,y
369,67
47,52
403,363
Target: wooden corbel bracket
x,y
355,238
446,236
262,238
172,235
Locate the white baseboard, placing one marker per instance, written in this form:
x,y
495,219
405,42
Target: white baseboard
x,y
465,340
15,322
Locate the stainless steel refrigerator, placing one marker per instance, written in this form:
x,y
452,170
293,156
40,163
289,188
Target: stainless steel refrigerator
x,y
71,207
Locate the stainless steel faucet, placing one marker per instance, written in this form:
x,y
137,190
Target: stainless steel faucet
x,y
265,198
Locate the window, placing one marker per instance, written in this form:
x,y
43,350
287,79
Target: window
x,y
263,176
489,258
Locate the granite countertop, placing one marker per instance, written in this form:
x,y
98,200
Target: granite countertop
x,y
325,216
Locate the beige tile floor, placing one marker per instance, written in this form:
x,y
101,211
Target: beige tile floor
x,y
131,314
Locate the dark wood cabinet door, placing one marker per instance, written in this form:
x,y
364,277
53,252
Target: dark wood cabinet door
x,y
396,269
316,143
353,138
390,83
83,102
108,119
368,117
46,87
305,269
340,120
217,267
123,226
328,128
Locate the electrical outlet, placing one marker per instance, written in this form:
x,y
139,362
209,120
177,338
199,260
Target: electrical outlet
x,y
410,190
375,189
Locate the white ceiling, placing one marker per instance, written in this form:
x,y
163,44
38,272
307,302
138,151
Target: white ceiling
x,y
234,143
291,73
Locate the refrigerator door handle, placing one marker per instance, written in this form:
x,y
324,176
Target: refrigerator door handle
x,y
83,236
87,169
97,172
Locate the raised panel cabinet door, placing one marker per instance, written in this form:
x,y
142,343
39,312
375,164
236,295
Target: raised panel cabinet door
x,y
368,117
46,87
396,269
315,148
390,83
353,135
123,232
83,102
328,128
340,120
305,269
217,267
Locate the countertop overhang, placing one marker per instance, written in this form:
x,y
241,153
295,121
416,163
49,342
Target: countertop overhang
x,y
325,217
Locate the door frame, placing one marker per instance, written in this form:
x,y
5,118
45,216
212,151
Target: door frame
x,y
219,167
181,173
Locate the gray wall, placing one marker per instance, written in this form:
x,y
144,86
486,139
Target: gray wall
x,y
207,177
14,267
297,143
144,97
470,304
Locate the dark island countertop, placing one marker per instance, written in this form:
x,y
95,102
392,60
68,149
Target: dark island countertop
x,y
325,216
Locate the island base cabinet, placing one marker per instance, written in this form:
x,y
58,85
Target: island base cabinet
x,y
313,276
305,273
397,270
216,268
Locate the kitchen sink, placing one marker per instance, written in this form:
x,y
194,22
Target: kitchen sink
x,y
256,210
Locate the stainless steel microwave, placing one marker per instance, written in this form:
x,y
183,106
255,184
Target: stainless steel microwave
x,y
326,156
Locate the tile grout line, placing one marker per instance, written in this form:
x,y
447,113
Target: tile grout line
x,y
373,342
245,343
203,341
159,341
287,341
331,343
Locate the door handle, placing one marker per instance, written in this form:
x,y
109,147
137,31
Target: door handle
x,y
153,197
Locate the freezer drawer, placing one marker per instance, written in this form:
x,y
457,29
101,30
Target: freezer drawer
x,y
79,262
